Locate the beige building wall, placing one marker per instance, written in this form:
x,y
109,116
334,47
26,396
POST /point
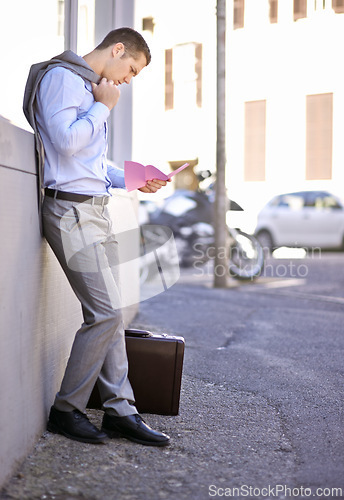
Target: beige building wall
x,y
282,63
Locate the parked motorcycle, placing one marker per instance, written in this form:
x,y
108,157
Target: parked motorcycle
x,y
190,214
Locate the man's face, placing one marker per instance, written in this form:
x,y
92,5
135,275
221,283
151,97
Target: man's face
x,y
122,67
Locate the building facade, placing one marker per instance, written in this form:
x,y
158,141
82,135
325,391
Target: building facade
x,y
284,94
285,99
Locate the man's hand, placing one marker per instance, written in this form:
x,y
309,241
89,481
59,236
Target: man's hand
x,y
106,92
153,186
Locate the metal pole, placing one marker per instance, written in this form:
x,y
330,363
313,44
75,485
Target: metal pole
x,y
221,261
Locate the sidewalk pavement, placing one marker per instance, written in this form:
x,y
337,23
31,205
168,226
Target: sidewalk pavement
x,y
223,437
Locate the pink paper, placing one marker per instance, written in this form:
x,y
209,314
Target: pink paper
x,y
136,175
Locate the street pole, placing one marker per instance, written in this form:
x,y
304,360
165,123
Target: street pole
x,y
221,261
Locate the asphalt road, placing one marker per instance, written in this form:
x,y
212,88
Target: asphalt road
x,y
281,340
261,412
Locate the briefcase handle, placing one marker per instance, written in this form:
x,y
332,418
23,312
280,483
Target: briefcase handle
x,y
132,332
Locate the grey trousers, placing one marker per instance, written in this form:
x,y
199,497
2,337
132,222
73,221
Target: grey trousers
x,y
81,237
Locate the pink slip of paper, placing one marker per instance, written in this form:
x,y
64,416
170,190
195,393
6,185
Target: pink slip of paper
x,y
136,175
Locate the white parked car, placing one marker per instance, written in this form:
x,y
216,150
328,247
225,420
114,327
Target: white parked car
x,y
307,219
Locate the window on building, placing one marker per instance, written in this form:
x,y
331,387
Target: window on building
x,y
183,76
338,6
255,131
148,24
320,4
273,11
86,21
60,17
238,14
42,41
319,112
300,9
198,69
168,79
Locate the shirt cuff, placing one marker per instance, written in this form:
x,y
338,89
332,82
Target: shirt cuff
x,y
116,176
98,114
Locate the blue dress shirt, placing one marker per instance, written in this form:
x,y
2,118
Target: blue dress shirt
x,y
74,132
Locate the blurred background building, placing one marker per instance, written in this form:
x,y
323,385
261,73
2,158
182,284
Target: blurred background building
x,y
285,98
284,94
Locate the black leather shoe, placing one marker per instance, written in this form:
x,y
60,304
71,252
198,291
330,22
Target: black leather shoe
x,y
133,427
75,425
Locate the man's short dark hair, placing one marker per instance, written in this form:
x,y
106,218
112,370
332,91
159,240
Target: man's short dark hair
x,y
133,42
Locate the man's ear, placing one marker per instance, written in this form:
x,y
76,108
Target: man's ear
x,y
118,49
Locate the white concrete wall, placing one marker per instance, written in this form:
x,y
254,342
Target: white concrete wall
x,y
39,312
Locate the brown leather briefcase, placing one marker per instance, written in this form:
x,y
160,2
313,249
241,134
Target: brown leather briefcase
x,y
155,371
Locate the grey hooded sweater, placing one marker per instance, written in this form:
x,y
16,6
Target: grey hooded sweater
x,y
68,60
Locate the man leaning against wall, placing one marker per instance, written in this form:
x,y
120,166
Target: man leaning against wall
x,y
67,102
